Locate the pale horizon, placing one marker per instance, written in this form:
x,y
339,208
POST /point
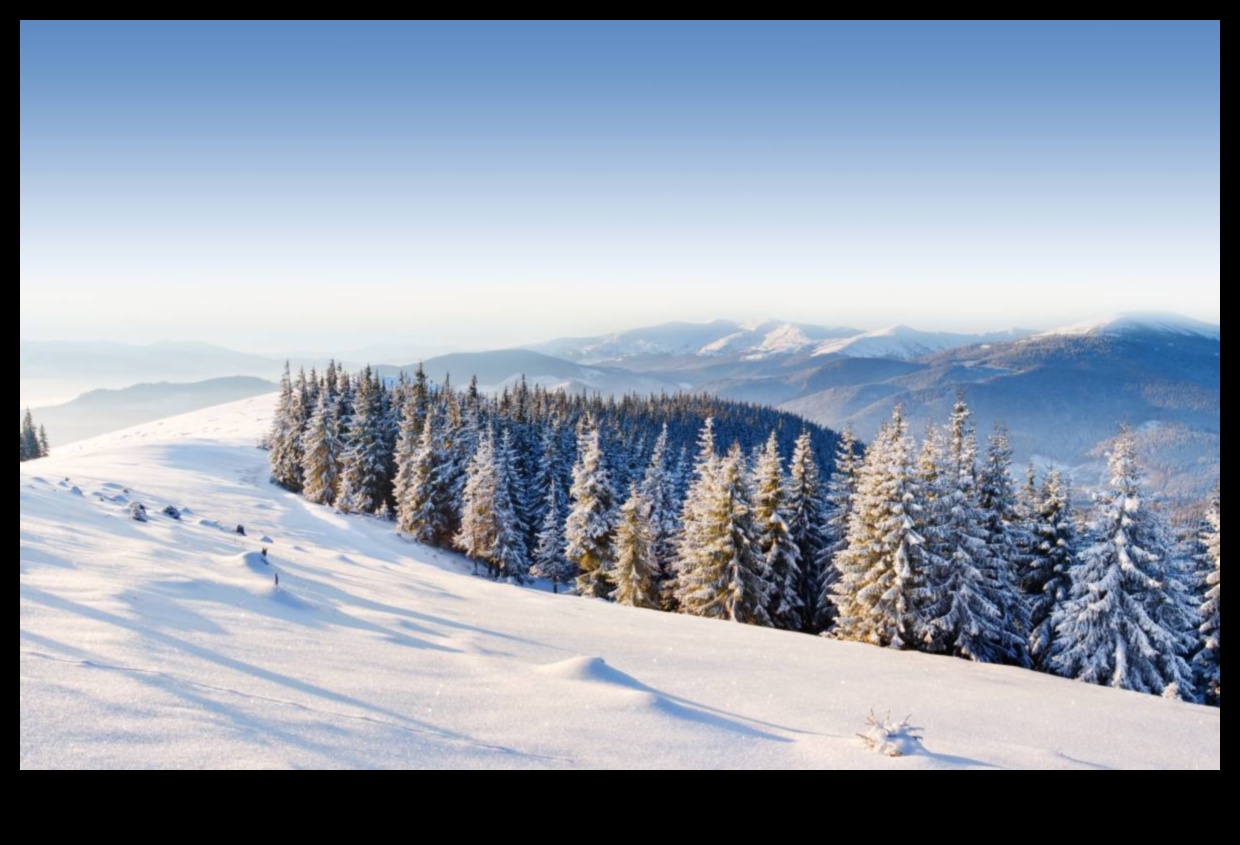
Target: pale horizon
x,y
342,344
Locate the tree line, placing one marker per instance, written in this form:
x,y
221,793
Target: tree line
x,y
734,511
941,551
32,440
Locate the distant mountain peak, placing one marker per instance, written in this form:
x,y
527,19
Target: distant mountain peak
x,y
1138,321
905,342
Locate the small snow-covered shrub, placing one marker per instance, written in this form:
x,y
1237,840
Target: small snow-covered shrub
x,y
891,739
171,511
137,511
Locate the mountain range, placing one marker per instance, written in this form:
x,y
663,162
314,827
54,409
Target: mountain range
x,y
1062,393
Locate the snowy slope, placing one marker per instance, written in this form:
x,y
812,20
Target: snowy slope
x,y
166,643
905,343
771,339
722,338
1139,322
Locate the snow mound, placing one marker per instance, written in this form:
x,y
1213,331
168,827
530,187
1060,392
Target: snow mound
x,y
255,562
592,670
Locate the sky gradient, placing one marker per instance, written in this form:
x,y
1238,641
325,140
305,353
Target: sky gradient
x,y
274,185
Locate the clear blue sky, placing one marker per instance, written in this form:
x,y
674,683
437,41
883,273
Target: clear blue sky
x,y
309,184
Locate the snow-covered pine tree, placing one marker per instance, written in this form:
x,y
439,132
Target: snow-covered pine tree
x,y
463,433
419,394
1008,541
321,455
807,520
425,507
29,438
635,571
549,560
1048,581
658,486
45,449
841,488
694,563
590,529
363,469
747,580
968,597
1178,609
721,573
881,589
937,514
480,527
511,553
1209,659
407,438
389,430
1109,630
549,472
1028,500
780,554
284,439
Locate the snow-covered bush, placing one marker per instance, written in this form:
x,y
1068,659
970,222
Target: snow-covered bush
x,y
891,739
137,511
172,512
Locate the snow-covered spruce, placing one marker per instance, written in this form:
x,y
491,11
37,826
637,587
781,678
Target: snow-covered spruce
x,y
549,560
841,488
635,574
590,529
881,589
32,440
780,554
1122,625
1210,658
807,521
721,572
1048,579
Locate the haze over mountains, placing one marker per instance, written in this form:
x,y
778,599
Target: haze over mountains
x,y
1062,392
101,411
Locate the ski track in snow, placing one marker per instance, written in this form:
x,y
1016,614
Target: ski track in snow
x,y
167,644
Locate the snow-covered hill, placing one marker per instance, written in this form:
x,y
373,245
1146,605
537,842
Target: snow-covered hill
x,y
905,343
167,643
753,341
1139,323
